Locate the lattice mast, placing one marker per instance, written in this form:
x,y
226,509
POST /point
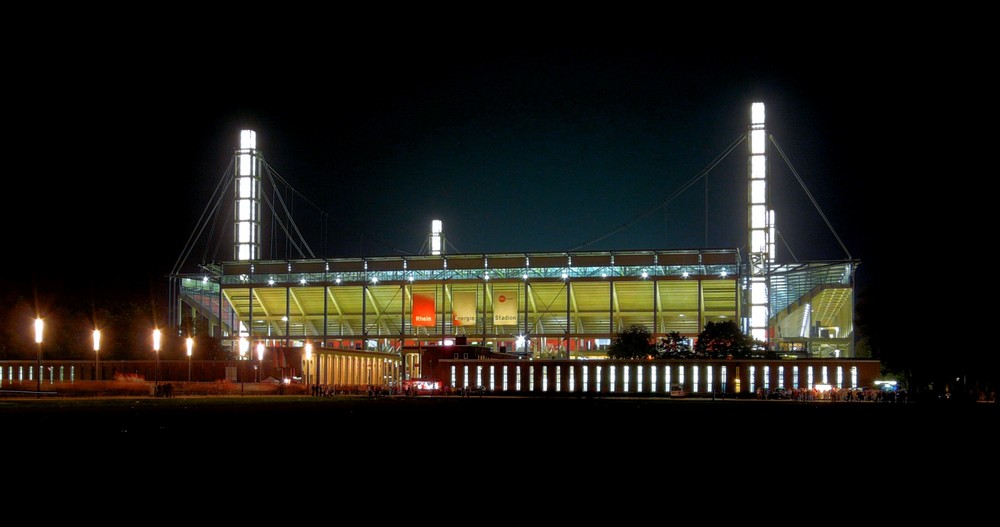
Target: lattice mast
x,y
247,210
760,227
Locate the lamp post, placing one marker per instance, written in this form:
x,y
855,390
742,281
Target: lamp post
x,y
260,359
156,349
39,328
244,347
97,354
190,346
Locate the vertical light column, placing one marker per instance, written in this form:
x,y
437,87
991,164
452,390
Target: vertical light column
x,y
760,245
246,238
435,240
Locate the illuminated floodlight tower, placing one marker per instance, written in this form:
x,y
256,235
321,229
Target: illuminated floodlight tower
x,y
246,236
760,231
435,241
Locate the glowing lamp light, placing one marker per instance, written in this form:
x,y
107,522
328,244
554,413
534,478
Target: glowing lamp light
x,y
244,346
270,281
309,351
486,277
374,279
248,139
645,275
190,345
520,341
435,239
156,340
685,274
524,276
302,281
39,329
260,351
757,113
723,273
564,275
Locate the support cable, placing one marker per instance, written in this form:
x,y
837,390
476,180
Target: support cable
x,y
663,203
813,200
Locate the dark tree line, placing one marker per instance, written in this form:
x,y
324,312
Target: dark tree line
x,y
718,340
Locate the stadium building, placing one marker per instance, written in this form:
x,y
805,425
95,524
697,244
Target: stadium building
x,y
366,320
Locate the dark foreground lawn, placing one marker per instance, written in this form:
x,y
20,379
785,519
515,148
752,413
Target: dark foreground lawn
x,y
516,421
524,441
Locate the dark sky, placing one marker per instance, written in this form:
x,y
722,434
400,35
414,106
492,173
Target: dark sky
x,y
516,147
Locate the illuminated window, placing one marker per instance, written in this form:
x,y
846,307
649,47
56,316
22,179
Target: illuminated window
x,y
722,377
840,377
809,378
795,377
531,378
767,378
597,386
505,377
465,376
694,379
652,379
611,378
545,378
625,373
781,376
753,380
558,378
571,378
586,379
479,375
854,377
453,382
666,378
708,379
638,378
517,373
492,378
825,380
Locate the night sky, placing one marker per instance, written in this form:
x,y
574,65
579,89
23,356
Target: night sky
x,y
517,148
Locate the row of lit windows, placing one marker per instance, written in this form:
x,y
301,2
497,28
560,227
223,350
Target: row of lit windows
x,y
651,382
27,373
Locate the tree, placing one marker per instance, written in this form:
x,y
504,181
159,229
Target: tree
x,y
723,339
633,343
673,346
206,347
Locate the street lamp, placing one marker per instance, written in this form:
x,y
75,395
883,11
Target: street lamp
x,y
97,353
156,349
244,347
39,328
190,345
260,359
